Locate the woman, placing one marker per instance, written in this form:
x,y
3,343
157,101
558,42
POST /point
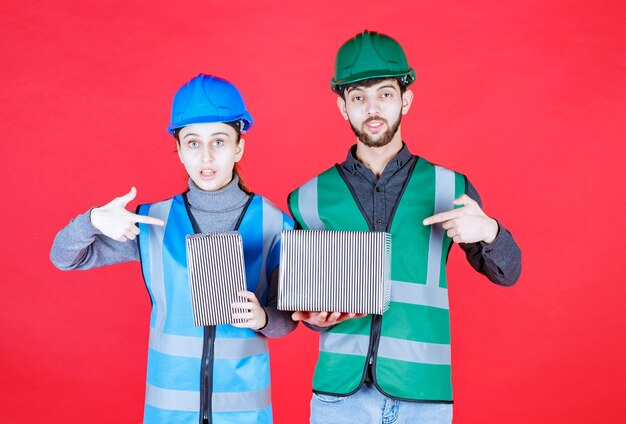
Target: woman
x,y
214,374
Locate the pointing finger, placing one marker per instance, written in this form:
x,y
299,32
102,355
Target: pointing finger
x,y
147,220
441,217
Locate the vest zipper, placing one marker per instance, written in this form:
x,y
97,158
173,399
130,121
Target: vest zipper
x,y
208,347
373,347
206,375
376,325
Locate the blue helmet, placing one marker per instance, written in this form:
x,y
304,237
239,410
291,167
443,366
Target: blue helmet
x,y
206,99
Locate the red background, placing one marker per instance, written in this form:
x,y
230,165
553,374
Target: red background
x,y
525,97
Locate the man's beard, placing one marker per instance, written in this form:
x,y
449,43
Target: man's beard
x,y
381,140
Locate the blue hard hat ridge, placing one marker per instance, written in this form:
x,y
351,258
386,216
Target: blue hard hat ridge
x,y
208,99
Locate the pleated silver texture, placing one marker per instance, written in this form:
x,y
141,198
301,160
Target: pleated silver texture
x,y
216,274
338,271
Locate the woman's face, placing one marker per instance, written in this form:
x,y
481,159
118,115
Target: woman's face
x,y
209,153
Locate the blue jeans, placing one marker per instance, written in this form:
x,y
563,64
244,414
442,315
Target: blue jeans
x,y
369,406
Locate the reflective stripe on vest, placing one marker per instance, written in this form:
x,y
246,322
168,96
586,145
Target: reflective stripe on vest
x,y
241,377
307,195
413,355
392,348
232,348
183,400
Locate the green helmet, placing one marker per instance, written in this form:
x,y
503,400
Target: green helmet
x,y
370,55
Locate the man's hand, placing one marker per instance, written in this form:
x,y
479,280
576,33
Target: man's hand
x,y
323,319
114,221
255,317
467,224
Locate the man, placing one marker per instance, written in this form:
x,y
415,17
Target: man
x,y
393,367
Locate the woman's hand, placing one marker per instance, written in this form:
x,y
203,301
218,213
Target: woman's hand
x,y
114,221
254,314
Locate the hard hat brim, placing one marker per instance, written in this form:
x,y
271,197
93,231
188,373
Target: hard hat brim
x,y
336,85
246,118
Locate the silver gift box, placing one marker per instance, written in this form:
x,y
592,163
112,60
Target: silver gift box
x,y
339,271
216,274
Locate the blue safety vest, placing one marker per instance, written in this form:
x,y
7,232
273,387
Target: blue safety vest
x,y
220,373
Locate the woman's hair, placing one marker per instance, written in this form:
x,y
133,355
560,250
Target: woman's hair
x,y
236,171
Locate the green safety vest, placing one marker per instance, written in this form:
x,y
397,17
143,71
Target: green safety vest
x,y
408,346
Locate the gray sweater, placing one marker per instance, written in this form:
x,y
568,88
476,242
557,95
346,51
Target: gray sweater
x,y
82,246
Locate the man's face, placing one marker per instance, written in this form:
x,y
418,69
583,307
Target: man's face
x,y
375,112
